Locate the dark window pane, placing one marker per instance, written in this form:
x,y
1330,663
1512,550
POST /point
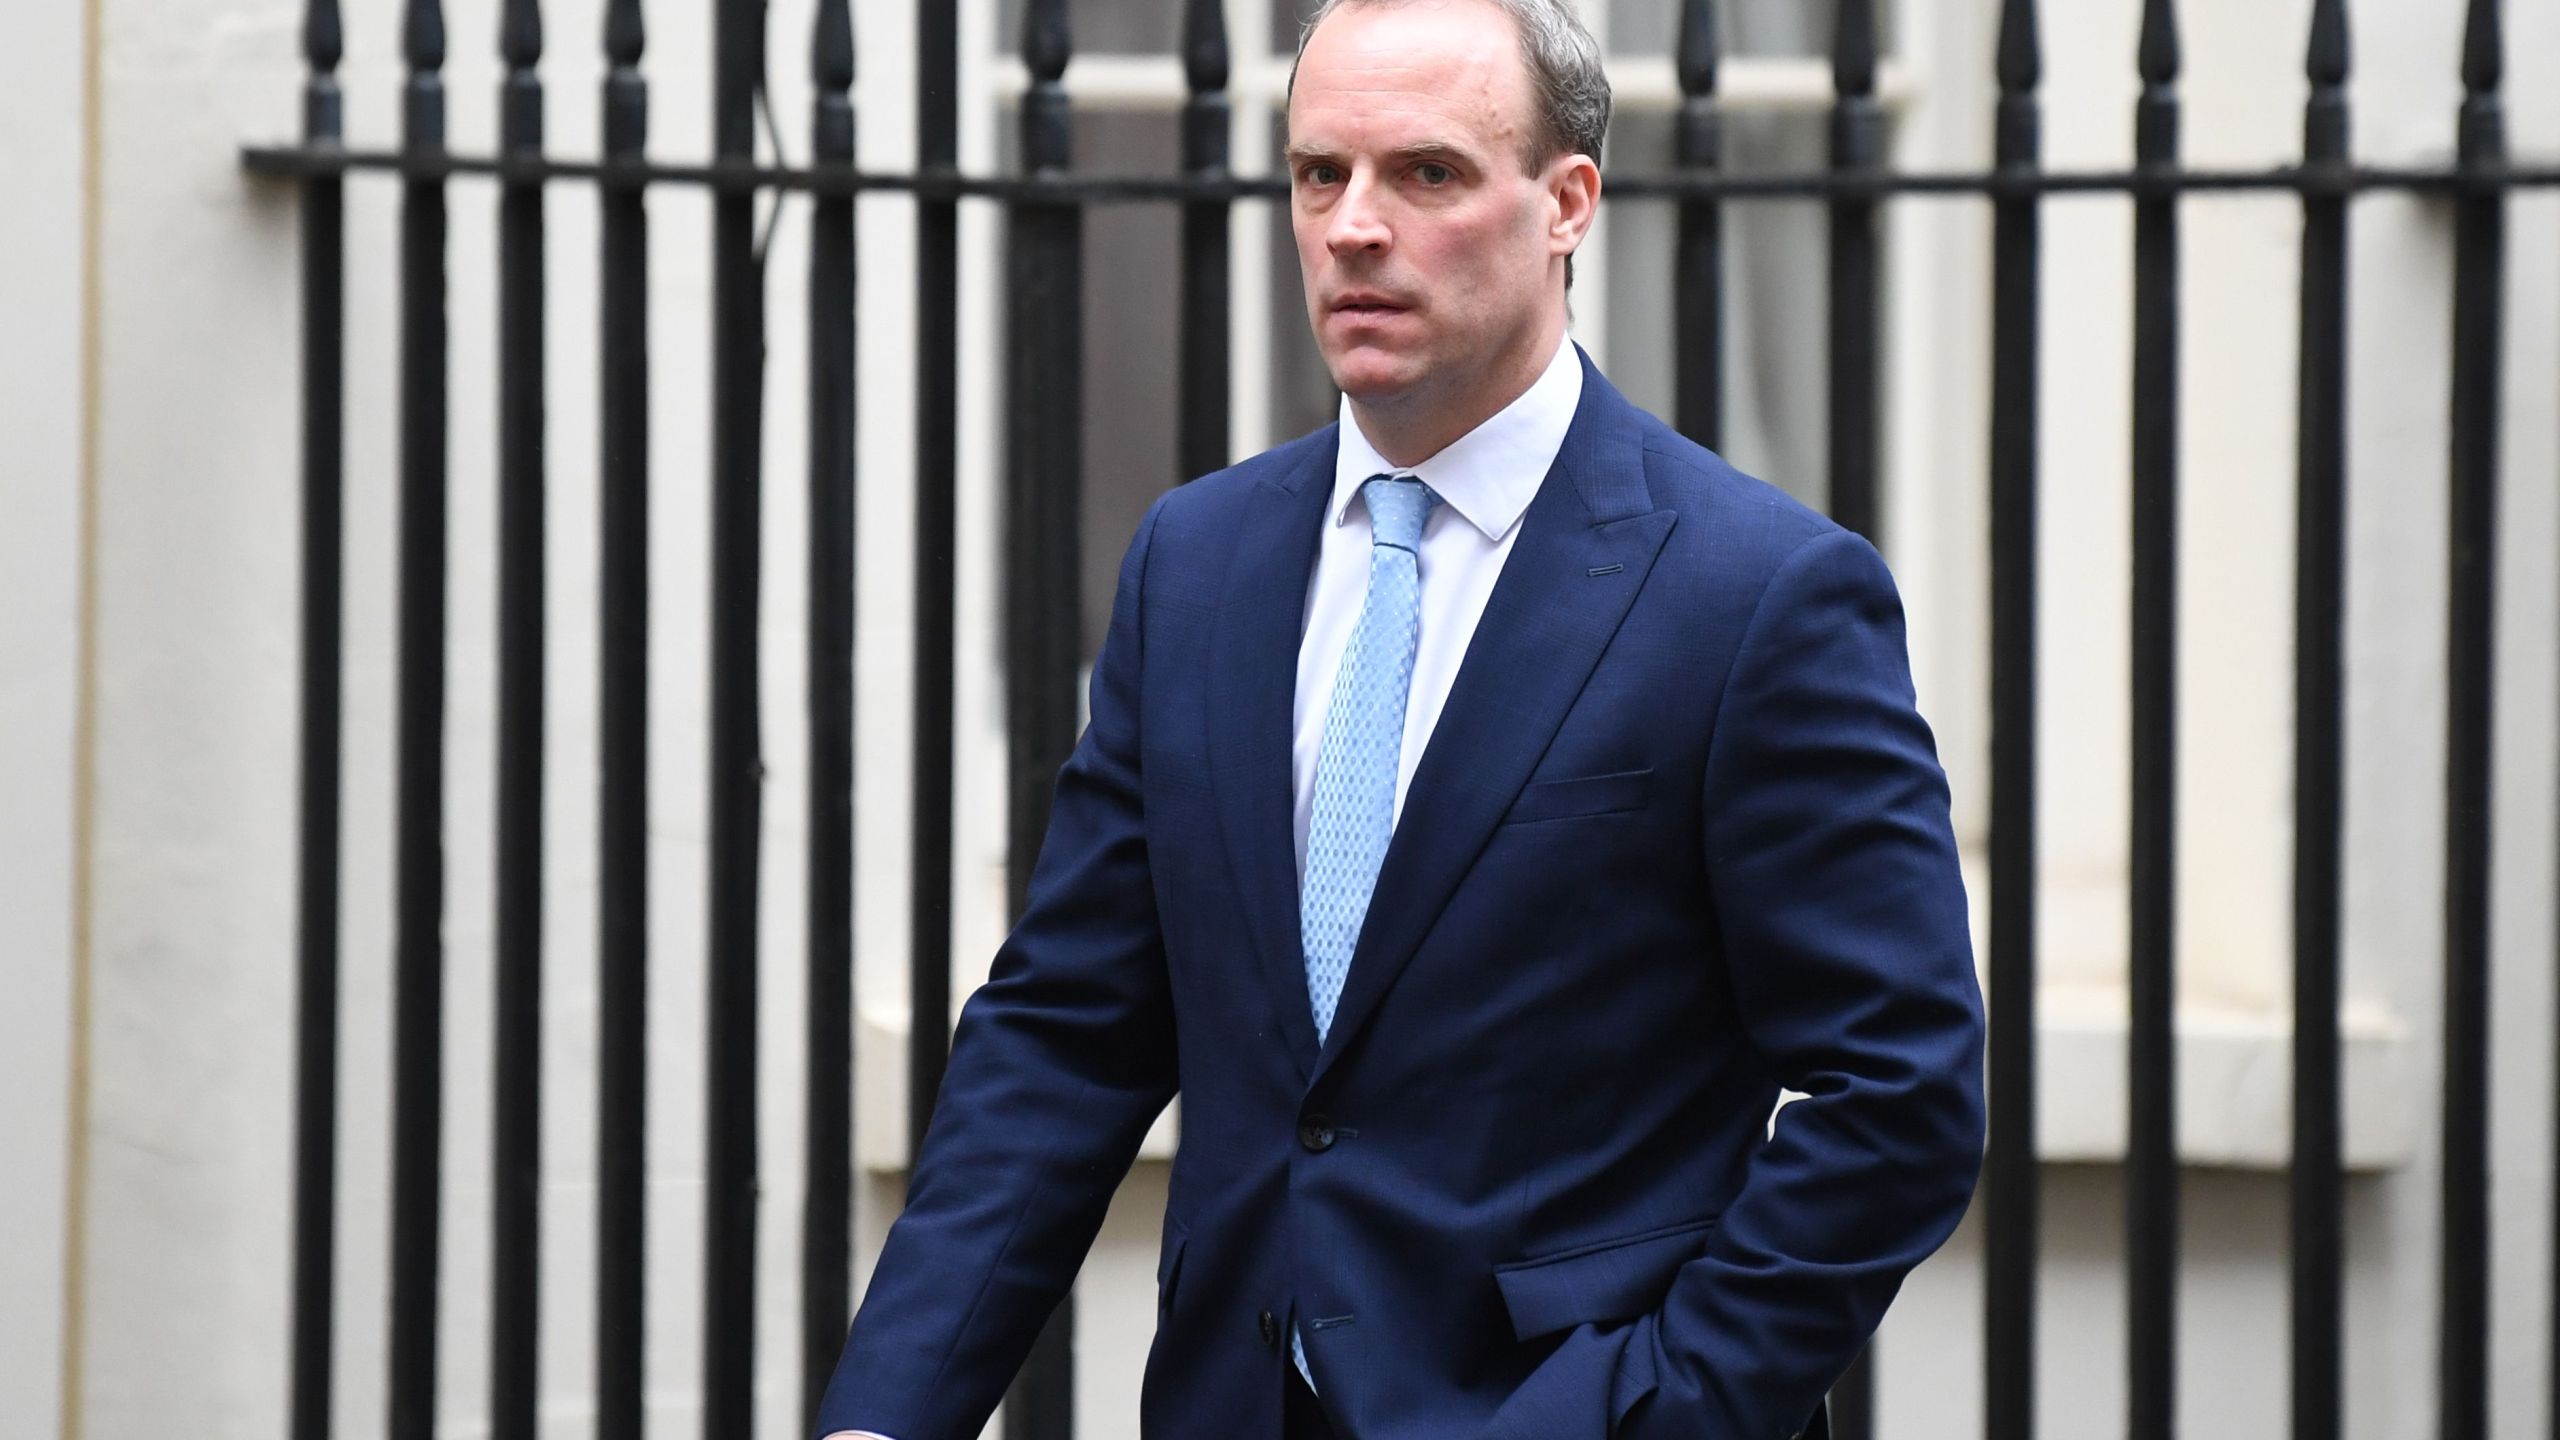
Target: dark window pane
x,y
1751,27
1646,27
1104,27
1286,18
1131,253
1775,304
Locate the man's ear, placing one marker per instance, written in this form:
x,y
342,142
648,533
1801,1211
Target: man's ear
x,y
1574,182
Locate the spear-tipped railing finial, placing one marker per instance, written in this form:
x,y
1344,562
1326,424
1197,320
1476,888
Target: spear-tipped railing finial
x,y
1045,50
2021,49
422,35
1853,49
831,54
520,94
2330,53
625,37
520,34
1045,45
1204,45
2483,140
422,45
324,44
2160,57
2156,114
2484,49
1696,53
2326,62
324,39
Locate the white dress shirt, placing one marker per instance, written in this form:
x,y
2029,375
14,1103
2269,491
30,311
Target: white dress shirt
x,y
1485,480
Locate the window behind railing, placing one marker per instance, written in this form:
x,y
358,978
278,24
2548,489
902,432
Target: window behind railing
x,y
1150,330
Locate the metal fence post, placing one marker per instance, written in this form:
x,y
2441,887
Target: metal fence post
x,y
622,791
418,840
1044,403
1857,150
1202,442
2011,1180
323,654
827,1219
736,760
516,1092
937,464
1698,257
2317,1214
2480,217
2151,1137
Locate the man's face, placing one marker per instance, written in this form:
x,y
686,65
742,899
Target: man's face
x,y
1425,246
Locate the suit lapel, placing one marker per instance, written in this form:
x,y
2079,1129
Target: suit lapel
x,y
1253,673
1586,545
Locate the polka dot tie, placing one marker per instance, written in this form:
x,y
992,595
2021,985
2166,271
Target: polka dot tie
x,y
1353,812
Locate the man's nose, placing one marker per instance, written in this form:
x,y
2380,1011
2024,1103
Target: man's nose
x,y
1357,224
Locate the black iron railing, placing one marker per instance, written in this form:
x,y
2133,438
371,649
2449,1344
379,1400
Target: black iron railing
x,y
516,1093
622,771
2151,1140
2011,1207
1045,207
2320,604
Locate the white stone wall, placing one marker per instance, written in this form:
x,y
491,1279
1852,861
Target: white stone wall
x,y
2243,106
184,1224
41,482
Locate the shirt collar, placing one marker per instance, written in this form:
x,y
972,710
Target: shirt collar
x,y
1489,474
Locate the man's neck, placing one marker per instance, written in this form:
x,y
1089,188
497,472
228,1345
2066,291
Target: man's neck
x,y
1410,428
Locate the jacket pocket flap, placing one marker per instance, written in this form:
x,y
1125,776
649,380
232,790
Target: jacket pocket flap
x,y
1582,795
1610,1280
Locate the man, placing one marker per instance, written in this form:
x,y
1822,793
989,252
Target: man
x,y
1490,804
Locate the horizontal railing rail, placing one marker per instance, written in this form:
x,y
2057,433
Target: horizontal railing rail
x,y
306,161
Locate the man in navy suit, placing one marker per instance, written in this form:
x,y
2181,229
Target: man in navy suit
x,y
1491,803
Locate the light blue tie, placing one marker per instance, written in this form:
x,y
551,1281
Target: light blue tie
x,y
1354,810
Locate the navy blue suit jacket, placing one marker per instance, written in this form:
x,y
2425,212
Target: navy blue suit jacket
x,y
1680,839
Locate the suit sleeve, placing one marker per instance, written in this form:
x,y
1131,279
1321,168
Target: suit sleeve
x,y
1059,1064
1832,866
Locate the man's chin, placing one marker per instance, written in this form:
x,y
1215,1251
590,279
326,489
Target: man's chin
x,y
1373,378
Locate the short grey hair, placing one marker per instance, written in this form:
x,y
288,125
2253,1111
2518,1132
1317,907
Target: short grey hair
x,y
1565,74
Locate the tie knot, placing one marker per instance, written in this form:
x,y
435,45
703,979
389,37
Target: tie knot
x,y
1398,504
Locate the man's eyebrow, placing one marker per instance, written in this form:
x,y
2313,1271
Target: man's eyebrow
x,y
1440,150
1300,153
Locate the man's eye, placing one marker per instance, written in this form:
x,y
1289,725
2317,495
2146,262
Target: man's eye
x,y
1432,172
1322,174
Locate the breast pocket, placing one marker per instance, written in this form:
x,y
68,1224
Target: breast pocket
x,y
1582,795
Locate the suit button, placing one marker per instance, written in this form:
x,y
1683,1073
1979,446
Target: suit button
x,y
1316,1134
1270,1329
